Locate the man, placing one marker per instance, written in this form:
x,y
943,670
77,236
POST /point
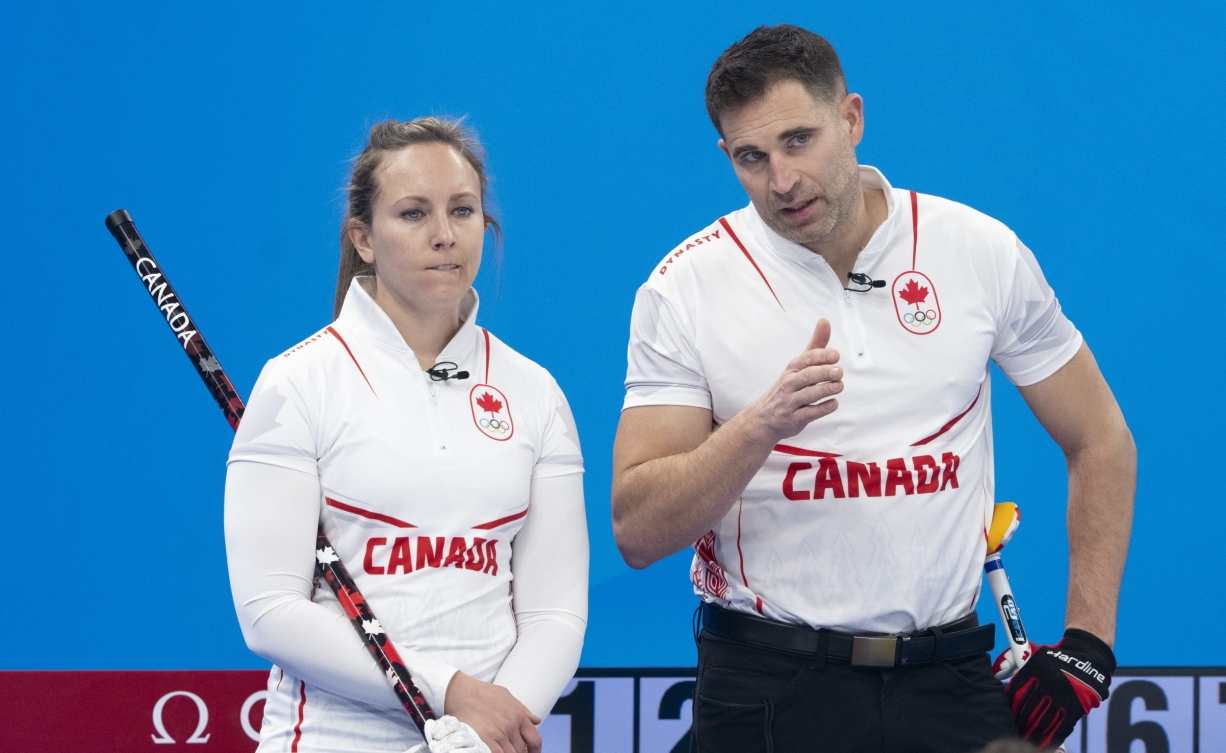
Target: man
x,y
808,400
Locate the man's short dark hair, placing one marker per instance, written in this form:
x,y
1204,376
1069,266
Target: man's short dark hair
x,y
766,56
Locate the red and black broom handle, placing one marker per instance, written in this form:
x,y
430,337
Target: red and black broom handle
x,y
328,563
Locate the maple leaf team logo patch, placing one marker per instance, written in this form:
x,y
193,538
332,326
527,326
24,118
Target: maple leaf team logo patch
x,y
491,412
915,302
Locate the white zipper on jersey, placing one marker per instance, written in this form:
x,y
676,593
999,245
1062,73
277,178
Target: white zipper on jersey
x,y
438,428
855,332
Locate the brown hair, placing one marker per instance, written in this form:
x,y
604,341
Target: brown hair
x,y
766,56
389,136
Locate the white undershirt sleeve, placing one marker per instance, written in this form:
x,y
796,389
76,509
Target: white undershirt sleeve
x,y
549,562
271,520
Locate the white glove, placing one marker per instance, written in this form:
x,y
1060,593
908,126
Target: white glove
x,y
449,735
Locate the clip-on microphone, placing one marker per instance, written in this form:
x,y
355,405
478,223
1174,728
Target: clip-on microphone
x,y
859,278
439,372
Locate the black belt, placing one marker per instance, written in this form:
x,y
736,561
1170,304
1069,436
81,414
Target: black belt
x,y
957,640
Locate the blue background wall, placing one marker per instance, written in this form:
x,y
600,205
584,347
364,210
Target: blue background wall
x,y
1095,131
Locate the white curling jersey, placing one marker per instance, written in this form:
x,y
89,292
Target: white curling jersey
x,y
424,485
873,518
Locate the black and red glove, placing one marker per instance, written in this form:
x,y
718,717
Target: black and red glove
x,y
1059,685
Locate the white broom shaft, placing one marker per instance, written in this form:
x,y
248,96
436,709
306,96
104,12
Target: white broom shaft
x,y
1006,607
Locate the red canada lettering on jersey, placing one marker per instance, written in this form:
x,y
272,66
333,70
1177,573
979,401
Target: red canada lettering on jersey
x,y
789,480
847,478
397,559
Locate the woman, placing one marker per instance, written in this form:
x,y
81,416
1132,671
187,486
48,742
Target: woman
x,y
429,449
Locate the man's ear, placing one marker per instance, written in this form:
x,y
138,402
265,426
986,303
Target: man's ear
x,y
359,236
851,112
724,148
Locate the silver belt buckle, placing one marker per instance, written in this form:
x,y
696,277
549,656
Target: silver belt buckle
x,y
874,651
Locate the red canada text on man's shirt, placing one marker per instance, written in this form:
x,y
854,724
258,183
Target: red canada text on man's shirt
x,y
399,555
847,478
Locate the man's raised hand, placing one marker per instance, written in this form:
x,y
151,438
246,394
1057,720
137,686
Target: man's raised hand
x,y
803,392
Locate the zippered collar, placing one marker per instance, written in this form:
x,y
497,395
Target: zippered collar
x,y
361,315
870,177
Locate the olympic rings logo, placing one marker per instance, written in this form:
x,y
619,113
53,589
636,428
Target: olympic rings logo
x,y
920,318
491,412
494,425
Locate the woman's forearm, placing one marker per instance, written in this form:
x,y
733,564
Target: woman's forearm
x,y
550,564
271,518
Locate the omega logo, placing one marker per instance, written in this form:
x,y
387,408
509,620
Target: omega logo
x,y
244,716
162,737
202,715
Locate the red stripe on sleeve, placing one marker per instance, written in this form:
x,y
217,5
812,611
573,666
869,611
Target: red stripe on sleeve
x,y
724,221
368,513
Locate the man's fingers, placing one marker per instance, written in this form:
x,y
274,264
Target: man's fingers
x,y
821,335
815,394
818,374
814,358
811,413
798,387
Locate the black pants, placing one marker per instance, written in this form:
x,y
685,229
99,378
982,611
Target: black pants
x,y
750,700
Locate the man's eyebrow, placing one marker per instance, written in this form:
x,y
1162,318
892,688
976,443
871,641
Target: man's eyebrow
x,y
787,135
743,148
792,133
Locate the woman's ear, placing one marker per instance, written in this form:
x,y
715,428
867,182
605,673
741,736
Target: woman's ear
x,y
359,236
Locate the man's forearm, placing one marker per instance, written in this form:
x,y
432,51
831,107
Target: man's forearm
x,y
1102,484
666,504
673,483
